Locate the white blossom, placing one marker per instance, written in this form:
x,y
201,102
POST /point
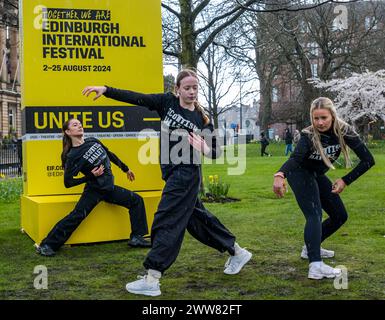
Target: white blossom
x,y
359,98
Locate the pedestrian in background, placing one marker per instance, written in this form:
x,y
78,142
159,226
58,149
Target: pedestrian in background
x,y
288,141
264,143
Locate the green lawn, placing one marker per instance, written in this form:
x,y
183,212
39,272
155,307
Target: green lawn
x,y
271,228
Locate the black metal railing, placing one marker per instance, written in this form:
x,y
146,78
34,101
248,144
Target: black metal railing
x,y
11,159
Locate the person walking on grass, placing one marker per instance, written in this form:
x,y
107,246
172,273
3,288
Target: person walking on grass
x,y
264,143
319,146
90,157
288,142
179,208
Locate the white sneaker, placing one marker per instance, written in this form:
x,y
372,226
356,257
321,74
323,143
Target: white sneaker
x,y
143,286
235,263
324,253
320,270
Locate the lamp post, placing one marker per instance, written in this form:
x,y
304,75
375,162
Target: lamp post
x,y
224,136
240,102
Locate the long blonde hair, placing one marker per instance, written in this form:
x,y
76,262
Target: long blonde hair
x,y
190,73
340,129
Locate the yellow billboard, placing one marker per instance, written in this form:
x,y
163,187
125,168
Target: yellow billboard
x,y
67,45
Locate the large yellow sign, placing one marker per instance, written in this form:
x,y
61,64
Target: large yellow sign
x,y
70,44
67,45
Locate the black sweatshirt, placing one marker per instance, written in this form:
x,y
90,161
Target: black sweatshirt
x,y
173,117
84,158
307,157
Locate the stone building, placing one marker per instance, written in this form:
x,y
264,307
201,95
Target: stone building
x,y
10,97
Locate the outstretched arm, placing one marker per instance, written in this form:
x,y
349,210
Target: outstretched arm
x,y
151,101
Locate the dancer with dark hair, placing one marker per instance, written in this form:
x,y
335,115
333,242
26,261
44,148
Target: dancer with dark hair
x,y
90,157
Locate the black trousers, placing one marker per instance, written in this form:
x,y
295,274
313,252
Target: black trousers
x,y
88,200
180,209
313,193
263,148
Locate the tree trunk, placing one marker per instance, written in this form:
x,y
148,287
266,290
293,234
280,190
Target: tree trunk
x,y
265,107
188,55
309,95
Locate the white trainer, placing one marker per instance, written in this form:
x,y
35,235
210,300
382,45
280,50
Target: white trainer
x,y
143,286
320,270
235,263
324,253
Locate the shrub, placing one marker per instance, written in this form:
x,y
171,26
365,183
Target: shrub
x,y
214,190
376,144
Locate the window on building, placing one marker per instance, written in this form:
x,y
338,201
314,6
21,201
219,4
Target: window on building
x,y
338,50
313,48
314,70
370,23
303,26
12,117
340,21
274,94
298,68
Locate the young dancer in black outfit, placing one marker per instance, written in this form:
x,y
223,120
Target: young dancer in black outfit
x,y
179,208
90,157
318,147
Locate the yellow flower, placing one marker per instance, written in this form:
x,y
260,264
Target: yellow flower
x,y
211,179
2,176
216,178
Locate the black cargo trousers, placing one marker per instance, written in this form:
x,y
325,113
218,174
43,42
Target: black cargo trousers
x,y
88,200
180,209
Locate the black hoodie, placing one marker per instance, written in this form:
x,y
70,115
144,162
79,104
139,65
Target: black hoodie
x,y
84,158
174,117
307,157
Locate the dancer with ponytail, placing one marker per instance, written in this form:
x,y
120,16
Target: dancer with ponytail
x,y
318,147
90,157
179,208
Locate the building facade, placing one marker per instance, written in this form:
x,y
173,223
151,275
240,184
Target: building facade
x,y
355,46
10,97
245,118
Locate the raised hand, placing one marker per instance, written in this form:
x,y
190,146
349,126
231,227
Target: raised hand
x,y
98,90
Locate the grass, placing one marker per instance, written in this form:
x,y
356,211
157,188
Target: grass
x,y
271,228
10,189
